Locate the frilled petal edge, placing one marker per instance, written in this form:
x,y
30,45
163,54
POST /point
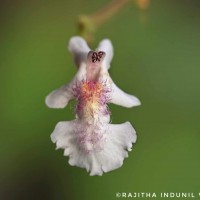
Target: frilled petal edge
x,y
119,139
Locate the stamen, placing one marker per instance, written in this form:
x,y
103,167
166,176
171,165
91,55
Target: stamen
x,y
96,56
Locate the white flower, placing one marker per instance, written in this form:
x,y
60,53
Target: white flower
x,y
90,141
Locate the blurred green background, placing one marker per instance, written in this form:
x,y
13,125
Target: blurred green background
x,y
157,58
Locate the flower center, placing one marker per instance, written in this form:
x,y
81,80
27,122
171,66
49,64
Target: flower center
x,y
91,109
92,98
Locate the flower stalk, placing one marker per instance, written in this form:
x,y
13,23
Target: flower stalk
x,y
88,24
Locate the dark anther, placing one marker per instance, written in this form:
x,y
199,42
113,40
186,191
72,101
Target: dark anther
x,y
100,54
94,57
97,56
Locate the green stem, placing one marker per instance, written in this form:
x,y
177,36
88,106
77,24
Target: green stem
x,y
108,11
88,24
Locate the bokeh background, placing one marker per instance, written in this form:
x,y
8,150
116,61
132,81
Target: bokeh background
x,y
157,58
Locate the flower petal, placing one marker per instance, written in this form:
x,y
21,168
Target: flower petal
x,y
63,135
79,48
119,139
59,98
106,46
121,98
